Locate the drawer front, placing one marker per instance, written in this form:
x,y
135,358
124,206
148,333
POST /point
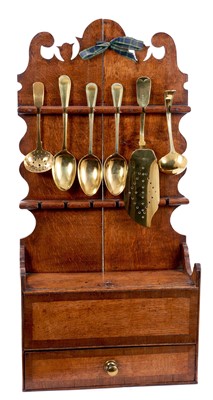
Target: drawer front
x,y
60,322
87,368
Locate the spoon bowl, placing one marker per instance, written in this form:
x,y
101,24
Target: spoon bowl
x,y
38,160
64,163
64,170
115,166
90,174
115,172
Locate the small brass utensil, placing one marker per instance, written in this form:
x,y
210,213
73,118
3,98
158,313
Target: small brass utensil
x,y
173,162
142,193
64,163
38,160
115,166
90,167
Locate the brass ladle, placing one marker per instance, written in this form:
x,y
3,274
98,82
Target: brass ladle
x,y
115,166
38,160
173,162
64,163
90,167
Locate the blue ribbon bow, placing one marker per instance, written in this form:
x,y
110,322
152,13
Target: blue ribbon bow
x,y
121,45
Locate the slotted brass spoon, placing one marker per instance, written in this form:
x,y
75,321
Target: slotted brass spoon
x,y
38,160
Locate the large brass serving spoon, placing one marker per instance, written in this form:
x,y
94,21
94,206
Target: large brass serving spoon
x,y
64,163
90,167
173,162
38,160
115,166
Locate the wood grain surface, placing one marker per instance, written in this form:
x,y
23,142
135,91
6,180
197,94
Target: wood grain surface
x,y
83,369
96,285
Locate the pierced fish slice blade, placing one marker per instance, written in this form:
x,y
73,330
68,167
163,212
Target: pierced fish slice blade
x,y
153,193
141,196
142,193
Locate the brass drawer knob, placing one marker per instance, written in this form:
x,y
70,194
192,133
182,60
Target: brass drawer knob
x,y
111,367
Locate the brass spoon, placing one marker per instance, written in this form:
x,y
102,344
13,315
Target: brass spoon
x,y
173,162
38,160
90,167
115,166
64,163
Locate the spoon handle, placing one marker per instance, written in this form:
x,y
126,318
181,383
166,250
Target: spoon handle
x,y
143,90
117,95
168,98
91,94
64,88
38,98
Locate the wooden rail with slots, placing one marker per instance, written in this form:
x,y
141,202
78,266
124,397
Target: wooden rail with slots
x,y
45,110
105,302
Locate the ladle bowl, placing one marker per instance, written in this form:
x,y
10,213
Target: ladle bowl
x,y
173,163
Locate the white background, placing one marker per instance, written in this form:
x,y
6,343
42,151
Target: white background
x,y
190,25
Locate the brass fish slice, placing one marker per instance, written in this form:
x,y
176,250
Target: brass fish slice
x,y
142,192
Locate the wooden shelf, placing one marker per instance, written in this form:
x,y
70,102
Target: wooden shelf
x,y
111,281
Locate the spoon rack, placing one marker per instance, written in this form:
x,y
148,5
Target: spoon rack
x,y
106,302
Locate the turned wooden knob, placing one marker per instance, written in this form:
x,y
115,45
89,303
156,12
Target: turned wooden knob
x,y
111,367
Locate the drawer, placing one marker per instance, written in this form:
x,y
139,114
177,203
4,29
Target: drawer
x,y
70,369
119,319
